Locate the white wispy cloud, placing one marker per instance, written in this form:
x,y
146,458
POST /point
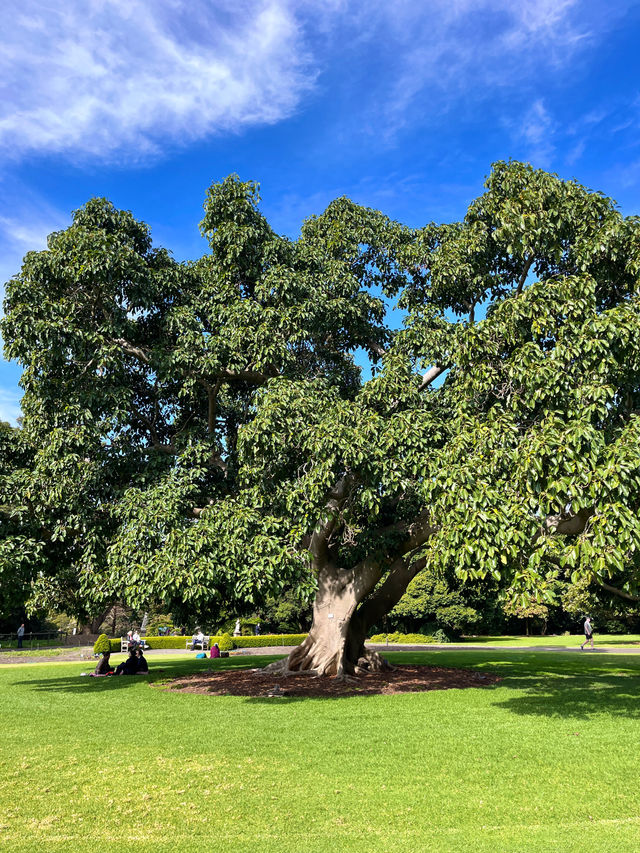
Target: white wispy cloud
x,y
445,53
537,128
10,406
26,220
99,78
125,79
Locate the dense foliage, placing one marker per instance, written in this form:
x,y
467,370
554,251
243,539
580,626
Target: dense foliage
x,y
198,434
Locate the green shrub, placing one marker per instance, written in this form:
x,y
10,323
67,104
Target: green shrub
x,y
263,640
157,622
102,645
440,637
247,626
396,637
225,643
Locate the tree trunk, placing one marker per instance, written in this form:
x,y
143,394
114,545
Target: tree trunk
x,y
350,601
93,625
335,643
347,604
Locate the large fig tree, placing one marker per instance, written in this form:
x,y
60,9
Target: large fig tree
x,y
200,433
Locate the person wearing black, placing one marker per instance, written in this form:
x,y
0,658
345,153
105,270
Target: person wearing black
x,y
128,666
141,661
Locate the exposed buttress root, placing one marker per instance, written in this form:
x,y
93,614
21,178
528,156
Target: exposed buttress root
x,y
313,658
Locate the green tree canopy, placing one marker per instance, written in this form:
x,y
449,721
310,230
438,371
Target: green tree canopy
x,y
200,432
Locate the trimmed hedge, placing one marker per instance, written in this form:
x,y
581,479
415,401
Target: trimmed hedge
x,y
167,642
237,642
156,643
409,639
263,640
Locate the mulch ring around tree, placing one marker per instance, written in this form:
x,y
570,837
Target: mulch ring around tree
x,y
403,679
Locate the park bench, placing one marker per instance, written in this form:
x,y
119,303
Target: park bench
x,y
205,643
124,644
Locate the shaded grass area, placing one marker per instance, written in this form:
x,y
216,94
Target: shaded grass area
x,y
121,764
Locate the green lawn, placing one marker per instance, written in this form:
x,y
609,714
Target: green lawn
x,y
604,641
37,653
118,765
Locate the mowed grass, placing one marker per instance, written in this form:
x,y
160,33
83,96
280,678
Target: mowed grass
x,y
602,641
545,760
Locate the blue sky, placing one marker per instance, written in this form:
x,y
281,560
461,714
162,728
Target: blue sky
x,y
402,105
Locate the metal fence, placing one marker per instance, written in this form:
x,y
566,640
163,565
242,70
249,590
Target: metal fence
x,y
38,640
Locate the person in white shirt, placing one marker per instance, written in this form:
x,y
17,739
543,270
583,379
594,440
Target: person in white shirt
x,y
588,633
198,638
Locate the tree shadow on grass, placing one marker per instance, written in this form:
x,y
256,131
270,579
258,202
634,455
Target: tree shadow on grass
x,y
571,685
564,689
159,675
576,697
545,685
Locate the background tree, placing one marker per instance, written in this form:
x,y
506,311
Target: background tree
x,y
15,571
288,613
201,434
431,602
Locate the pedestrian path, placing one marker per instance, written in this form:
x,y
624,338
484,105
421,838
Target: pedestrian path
x,y
400,647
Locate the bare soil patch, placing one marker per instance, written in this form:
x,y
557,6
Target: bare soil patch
x,y
72,653
403,679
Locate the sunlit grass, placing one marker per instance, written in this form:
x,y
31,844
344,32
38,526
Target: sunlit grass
x,y
602,641
119,765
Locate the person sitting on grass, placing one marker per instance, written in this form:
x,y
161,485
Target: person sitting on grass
x,y
215,651
103,667
143,666
128,666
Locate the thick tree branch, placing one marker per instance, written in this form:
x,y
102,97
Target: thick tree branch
x,y
402,570
431,375
420,531
319,544
134,351
374,346
212,396
472,313
564,523
619,592
523,276
389,593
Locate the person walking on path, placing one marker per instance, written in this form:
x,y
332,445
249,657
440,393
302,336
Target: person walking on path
x,y
588,633
20,635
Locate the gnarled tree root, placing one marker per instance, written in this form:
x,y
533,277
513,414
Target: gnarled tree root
x,y
310,659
